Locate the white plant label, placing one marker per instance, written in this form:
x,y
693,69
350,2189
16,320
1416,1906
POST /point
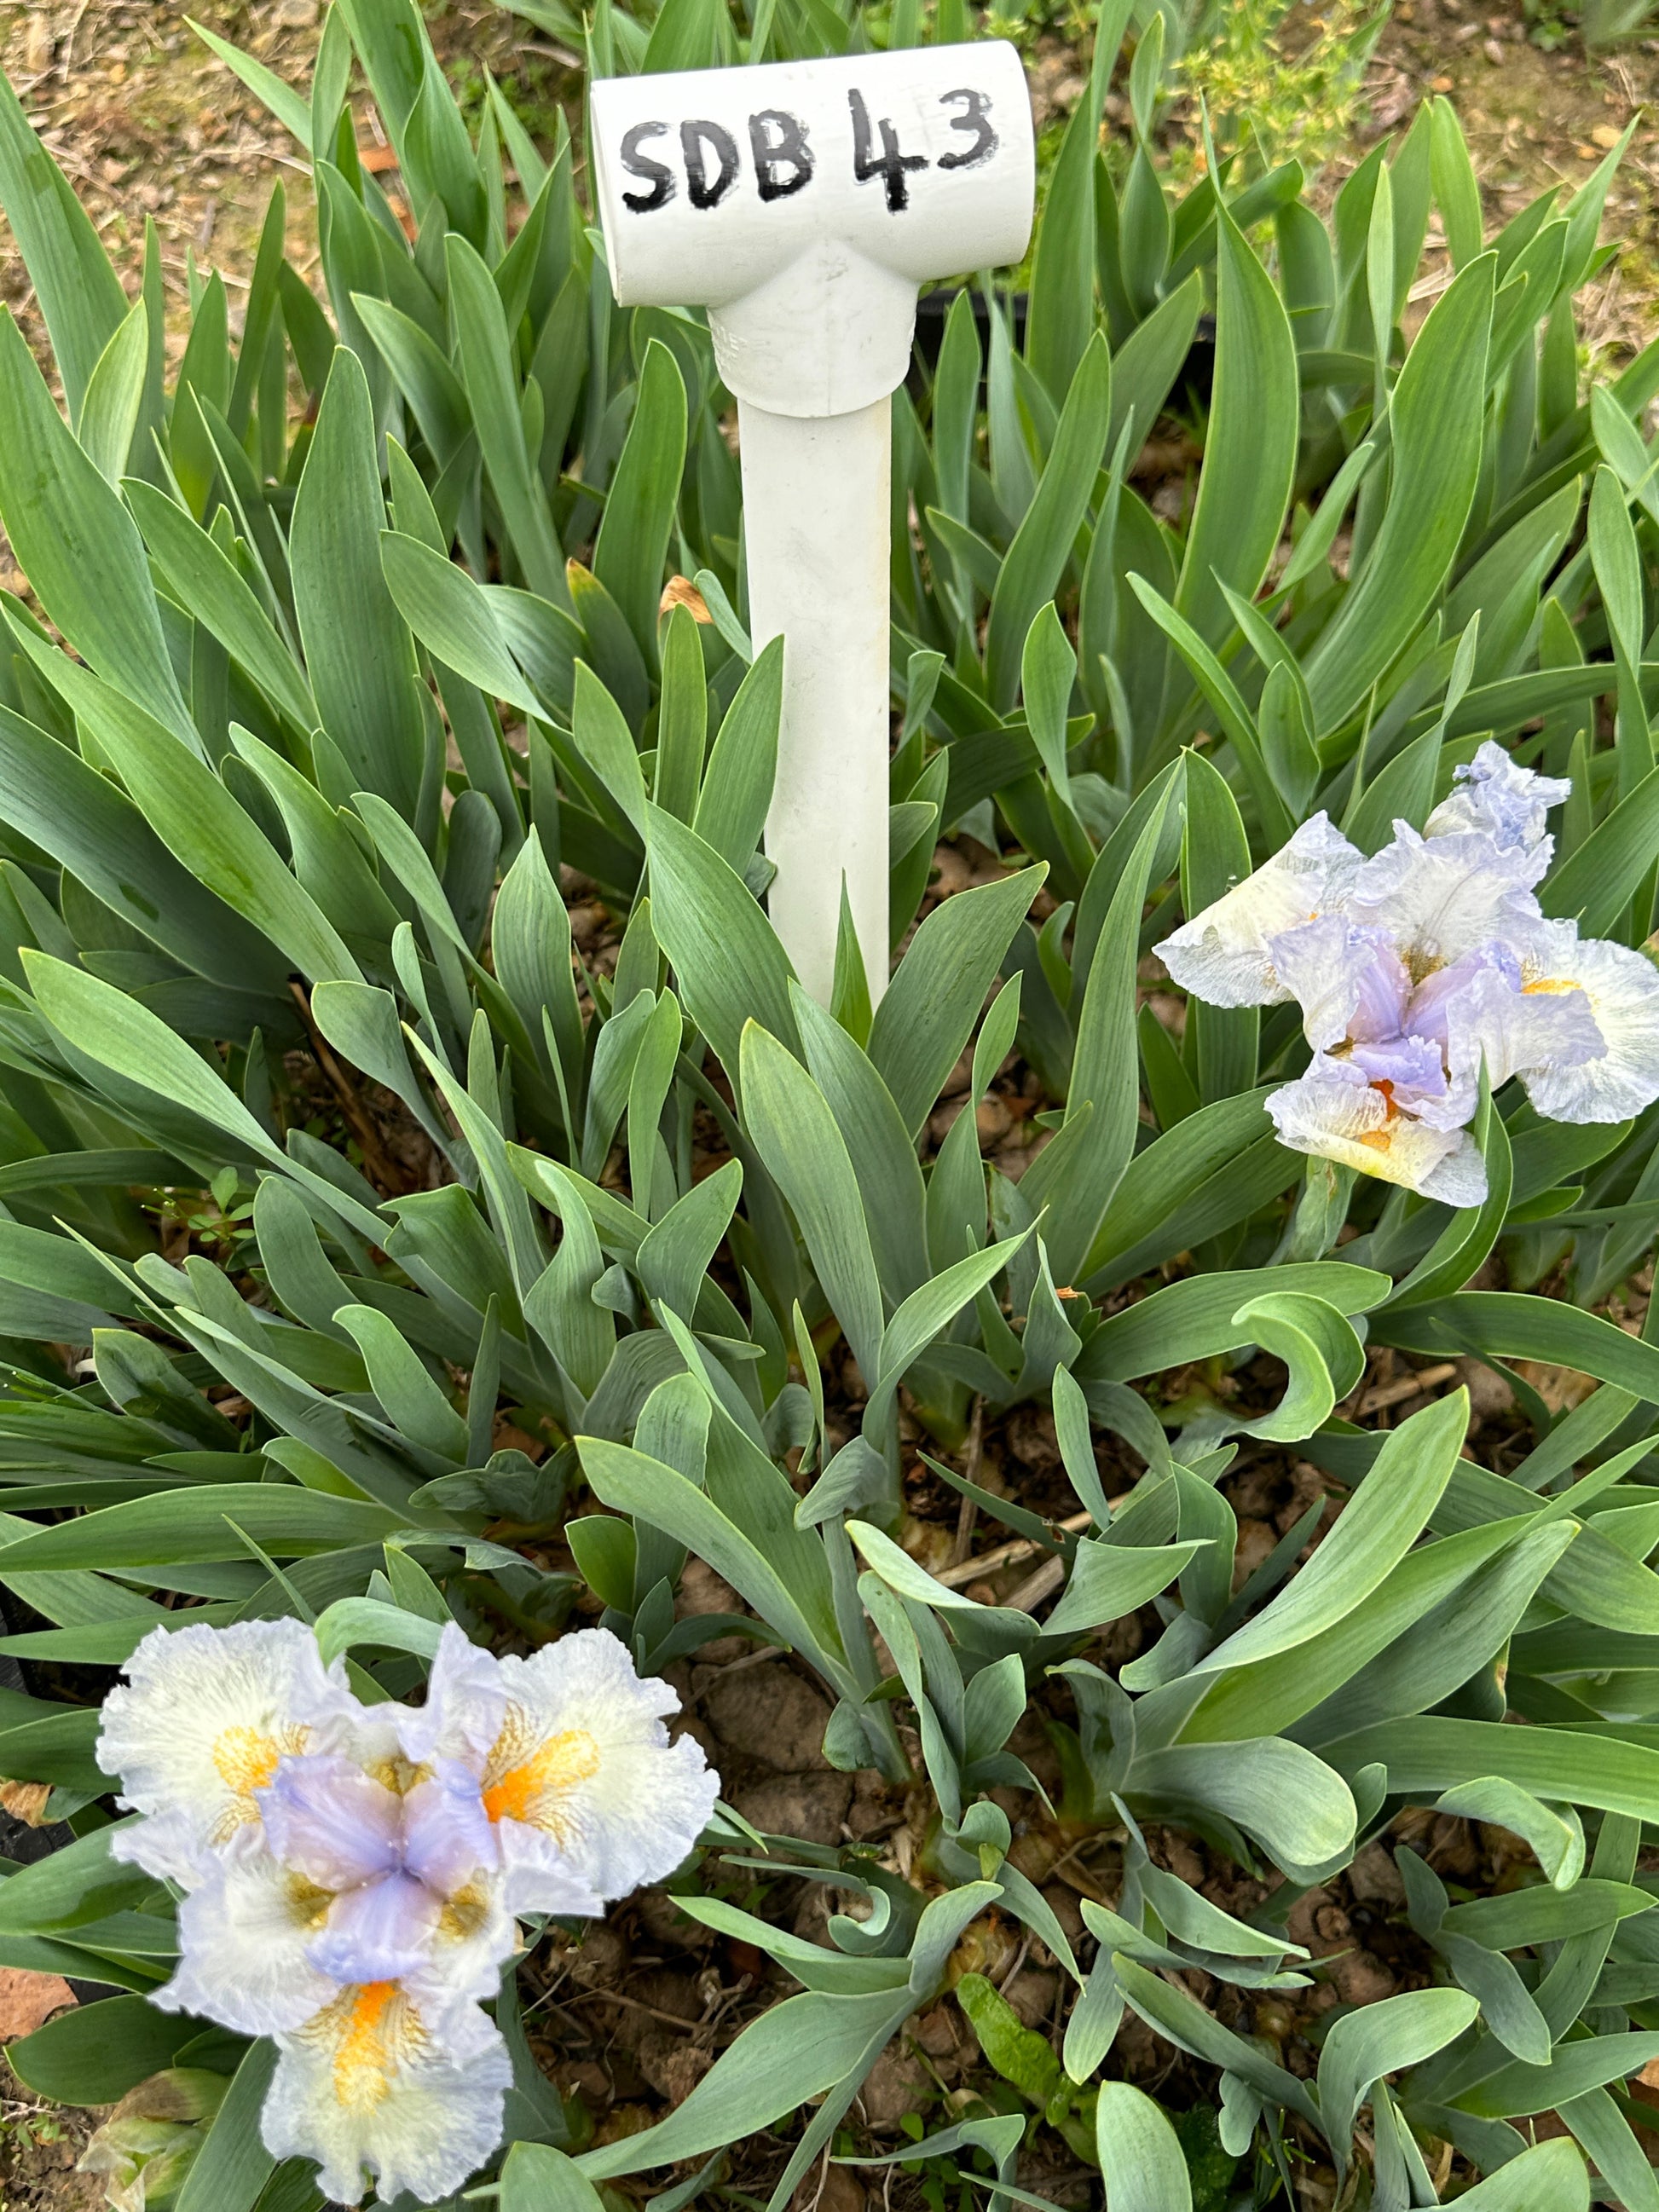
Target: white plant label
x,y
803,205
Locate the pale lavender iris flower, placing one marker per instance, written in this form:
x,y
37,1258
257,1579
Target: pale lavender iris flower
x,y
1417,967
352,1875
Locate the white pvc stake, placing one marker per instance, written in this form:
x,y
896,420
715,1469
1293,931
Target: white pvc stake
x,y
803,205
818,575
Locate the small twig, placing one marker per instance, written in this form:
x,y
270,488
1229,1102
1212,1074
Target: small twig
x,y
1007,1980
823,2176
638,2004
179,270
67,50
560,54
1008,1554
569,2018
1026,1596
383,1171
1080,1878
968,1512
547,1996
716,2009
1414,1385
750,1659
1430,287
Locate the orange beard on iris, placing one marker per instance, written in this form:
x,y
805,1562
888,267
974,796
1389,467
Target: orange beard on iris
x,y
527,1777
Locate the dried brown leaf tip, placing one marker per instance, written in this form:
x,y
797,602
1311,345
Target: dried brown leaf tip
x,y
681,591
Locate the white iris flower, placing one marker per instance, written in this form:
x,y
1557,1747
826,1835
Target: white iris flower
x,y
352,1873
1415,967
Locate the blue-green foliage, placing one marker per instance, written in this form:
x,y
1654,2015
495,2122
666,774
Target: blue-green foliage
x,y
343,697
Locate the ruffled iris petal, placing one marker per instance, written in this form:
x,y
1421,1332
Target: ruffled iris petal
x,y
583,1778
1223,953
384,2084
1492,795
1333,1112
205,1718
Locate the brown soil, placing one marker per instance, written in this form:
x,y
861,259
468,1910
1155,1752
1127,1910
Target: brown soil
x,y
39,2144
1533,119
147,124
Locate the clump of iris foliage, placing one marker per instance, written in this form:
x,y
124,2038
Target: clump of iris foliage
x,y
308,709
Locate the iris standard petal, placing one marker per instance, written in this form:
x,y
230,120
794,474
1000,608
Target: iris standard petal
x,y
204,1718
1349,983
447,1835
1222,954
1427,1013
381,2083
465,1705
1440,897
378,1932
1494,794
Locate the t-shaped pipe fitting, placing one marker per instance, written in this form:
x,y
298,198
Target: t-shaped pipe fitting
x,y
803,203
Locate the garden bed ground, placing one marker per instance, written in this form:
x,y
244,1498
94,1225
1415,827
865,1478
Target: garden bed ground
x,y
628,2020
146,123
39,2145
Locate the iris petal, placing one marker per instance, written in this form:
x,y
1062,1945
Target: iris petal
x,y
381,2082
1349,983
1223,953
1622,990
200,1724
1440,897
1493,795
1333,1112
332,1822
378,1932
447,1835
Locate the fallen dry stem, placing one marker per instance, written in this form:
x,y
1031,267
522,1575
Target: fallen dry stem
x,y
1006,1555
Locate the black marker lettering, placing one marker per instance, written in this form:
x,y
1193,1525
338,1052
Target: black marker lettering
x,y
637,164
693,136
976,107
890,164
777,140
